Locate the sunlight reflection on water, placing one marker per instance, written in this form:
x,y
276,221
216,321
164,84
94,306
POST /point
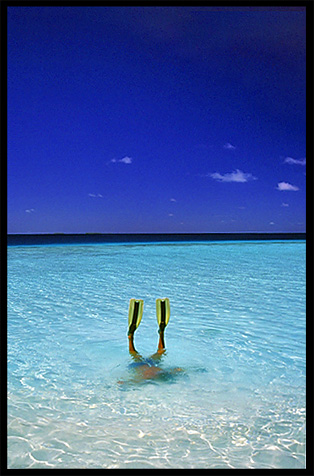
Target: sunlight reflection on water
x,y
237,328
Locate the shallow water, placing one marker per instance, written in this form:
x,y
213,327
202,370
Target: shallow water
x,y
237,328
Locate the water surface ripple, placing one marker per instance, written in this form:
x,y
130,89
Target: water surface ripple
x,y
237,328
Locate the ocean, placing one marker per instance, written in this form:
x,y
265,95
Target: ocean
x,y
237,331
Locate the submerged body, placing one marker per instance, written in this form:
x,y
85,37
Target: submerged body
x,y
145,370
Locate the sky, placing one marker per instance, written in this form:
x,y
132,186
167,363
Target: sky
x,y
156,119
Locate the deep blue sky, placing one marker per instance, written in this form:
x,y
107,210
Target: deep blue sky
x,y
156,119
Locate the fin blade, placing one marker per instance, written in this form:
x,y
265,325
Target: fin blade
x,y
140,312
159,310
131,310
132,318
167,302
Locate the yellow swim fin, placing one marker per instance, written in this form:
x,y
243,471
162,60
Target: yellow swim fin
x,y
163,312
135,314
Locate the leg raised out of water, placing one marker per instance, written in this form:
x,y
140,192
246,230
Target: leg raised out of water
x,y
133,352
161,349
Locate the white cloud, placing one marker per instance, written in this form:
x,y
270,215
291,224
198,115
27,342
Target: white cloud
x,y
284,186
170,215
173,200
125,160
290,160
236,176
229,146
285,204
271,223
95,195
31,210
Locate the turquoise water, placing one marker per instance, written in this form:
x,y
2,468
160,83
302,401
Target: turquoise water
x,y
237,328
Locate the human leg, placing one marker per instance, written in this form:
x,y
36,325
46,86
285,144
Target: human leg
x,y
163,316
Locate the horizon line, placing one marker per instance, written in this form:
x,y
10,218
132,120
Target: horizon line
x,y
161,233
